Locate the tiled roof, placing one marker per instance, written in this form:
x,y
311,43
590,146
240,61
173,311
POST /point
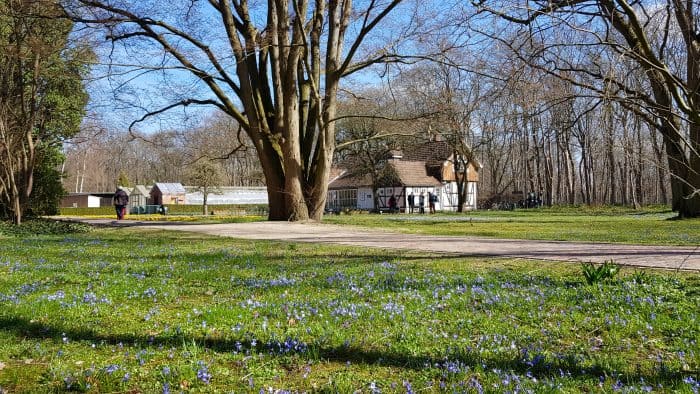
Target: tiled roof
x,y
412,173
397,173
430,152
348,180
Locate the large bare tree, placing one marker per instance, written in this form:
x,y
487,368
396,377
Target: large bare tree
x,y
275,66
585,41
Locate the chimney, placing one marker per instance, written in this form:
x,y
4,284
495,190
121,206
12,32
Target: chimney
x,y
395,155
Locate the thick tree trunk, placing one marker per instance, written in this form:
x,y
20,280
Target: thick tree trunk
x,y
685,180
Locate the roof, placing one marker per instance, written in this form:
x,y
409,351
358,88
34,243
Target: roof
x,y
141,190
397,172
413,173
348,180
169,188
430,152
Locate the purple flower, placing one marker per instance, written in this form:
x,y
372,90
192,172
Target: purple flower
x,y
110,369
203,373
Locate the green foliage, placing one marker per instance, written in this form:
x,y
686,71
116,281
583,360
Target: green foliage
x,y
127,310
48,190
42,100
641,277
233,209
123,179
599,273
98,211
204,174
648,226
42,227
179,209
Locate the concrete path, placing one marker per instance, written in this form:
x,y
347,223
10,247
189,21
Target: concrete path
x,y
665,257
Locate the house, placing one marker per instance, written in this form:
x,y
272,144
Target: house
x,y
167,193
427,168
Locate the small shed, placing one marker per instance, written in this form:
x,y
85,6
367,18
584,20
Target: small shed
x,y
167,193
139,196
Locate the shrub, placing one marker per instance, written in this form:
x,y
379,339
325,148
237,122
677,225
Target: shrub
x,y
595,274
42,227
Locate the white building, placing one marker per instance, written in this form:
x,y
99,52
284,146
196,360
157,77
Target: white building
x,y
429,168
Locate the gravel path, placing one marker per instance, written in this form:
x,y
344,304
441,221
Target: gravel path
x,y
666,257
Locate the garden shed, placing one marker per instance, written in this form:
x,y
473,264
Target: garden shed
x,y
140,196
167,193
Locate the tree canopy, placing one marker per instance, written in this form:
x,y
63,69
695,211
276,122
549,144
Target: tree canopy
x,y
273,66
41,97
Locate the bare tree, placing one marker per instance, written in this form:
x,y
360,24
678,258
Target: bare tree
x,y
607,32
205,175
274,66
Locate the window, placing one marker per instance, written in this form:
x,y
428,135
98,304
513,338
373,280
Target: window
x,y
339,199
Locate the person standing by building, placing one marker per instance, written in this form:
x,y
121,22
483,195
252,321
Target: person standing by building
x,y
421,203
121,200
411,202
392,204
432,199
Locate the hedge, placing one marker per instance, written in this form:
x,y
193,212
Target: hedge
x,y
180,209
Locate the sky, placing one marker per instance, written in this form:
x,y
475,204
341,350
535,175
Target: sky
x,y
123,91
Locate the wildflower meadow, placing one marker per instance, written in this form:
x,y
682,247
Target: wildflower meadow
x,y
138,311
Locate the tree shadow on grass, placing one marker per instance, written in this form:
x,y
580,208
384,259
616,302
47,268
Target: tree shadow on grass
x,y
517,361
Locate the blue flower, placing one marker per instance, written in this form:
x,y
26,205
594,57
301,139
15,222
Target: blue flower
x,y
110,369
203,373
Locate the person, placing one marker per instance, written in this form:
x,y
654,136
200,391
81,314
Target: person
x,y
121,200
432,199
421,203
411,202
392,204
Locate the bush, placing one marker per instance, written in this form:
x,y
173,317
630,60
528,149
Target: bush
x,y
42,227
109,210
595,274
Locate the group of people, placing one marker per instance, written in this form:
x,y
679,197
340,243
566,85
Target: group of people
x,y
432,200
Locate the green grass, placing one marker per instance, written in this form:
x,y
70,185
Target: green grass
x,y
131,310
650,226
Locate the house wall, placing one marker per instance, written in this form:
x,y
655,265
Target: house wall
x,y
448,198
80,201
386,192
165,199
417,190
364,198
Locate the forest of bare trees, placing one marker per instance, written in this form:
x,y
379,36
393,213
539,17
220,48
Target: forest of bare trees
x,y
597,113
96,157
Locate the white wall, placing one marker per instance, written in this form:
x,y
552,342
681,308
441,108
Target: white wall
x,y
364,198
93,201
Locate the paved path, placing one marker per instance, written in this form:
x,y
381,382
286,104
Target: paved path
x,y
666,257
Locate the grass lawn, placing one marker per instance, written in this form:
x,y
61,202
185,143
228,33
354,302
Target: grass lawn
x,y
649,226
131,310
